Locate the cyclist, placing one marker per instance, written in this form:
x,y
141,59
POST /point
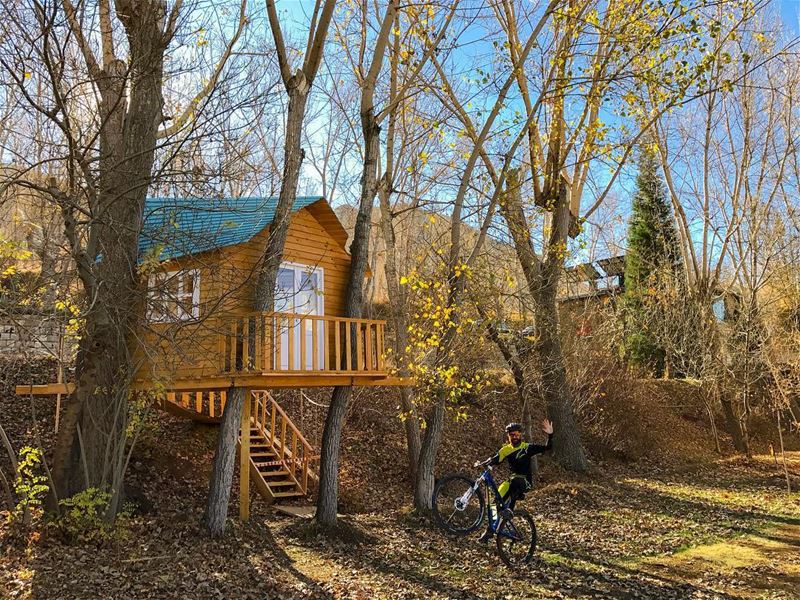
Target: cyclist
x,y
519,455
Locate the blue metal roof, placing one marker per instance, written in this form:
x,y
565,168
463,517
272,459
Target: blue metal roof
x,y
183,226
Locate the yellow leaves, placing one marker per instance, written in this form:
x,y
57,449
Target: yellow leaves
x,y
630,98
403,280
66,306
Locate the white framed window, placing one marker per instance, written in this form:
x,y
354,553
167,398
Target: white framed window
x,y
173,296
299,289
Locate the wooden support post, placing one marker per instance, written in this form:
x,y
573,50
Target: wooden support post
x,y
359,351
244,459
314,346
302,341
291,325
337,350
368,365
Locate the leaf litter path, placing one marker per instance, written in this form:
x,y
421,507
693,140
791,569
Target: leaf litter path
x,y
728,531
753,566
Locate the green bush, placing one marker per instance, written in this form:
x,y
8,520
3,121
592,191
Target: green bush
x,y
30,486
83,518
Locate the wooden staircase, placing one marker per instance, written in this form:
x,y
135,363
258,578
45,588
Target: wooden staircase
x,y
280,457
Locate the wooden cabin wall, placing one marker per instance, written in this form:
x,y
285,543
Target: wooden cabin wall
x,y
307,243
227,282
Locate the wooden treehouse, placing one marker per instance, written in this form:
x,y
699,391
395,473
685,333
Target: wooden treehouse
x,y
201,336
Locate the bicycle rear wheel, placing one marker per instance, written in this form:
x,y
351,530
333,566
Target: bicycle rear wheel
x,y
457,508
516,539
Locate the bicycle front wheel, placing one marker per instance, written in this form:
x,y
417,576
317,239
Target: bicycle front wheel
x,y
516,539
457,507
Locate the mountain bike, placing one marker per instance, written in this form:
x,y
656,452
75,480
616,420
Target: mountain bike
x,y
459,507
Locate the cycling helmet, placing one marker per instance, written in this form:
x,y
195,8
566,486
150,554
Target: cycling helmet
x,y
513,427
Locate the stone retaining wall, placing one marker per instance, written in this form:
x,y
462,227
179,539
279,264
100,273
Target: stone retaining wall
x,y
30,334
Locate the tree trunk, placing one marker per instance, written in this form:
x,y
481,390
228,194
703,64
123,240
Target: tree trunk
x,y
397,307
264,299
745,433
712,421
219,491
426,467
557,395
732,424
297,88
411,427
794,411
92,437
783,453
541,277
328,495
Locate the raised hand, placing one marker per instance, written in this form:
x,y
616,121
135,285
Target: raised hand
x,y
547,426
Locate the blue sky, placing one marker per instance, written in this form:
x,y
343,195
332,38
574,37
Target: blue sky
x,y
790,13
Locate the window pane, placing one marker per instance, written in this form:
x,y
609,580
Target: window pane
x,y
284,290
188,283
285,280
308,281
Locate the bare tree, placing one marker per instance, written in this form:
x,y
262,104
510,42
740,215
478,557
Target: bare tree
x,y
298,86
101,80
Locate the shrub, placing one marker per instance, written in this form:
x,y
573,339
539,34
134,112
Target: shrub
x,y
30,486
82,518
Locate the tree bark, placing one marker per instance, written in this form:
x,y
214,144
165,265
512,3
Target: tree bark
x,y
328,497
327,501
411,427
328,494
542,278
397,308
557,394
92,436
733,427
297,87
219,491
264,299
425,480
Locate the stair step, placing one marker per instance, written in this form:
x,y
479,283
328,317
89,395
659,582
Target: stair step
x,y
282,483
287,494
279,473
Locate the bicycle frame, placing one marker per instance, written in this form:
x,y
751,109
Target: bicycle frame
x,y
491,487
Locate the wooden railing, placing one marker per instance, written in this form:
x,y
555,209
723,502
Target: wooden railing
x,y
209,403
283,342
292,450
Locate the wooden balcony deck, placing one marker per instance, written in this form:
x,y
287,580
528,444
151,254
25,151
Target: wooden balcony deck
x,y
296,344
280,350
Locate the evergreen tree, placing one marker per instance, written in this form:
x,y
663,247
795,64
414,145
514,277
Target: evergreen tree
x,y
653,266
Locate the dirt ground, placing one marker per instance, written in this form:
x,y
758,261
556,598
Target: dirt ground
x,y
721,528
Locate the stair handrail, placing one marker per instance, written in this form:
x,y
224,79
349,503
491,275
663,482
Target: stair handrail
x,y
259,416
